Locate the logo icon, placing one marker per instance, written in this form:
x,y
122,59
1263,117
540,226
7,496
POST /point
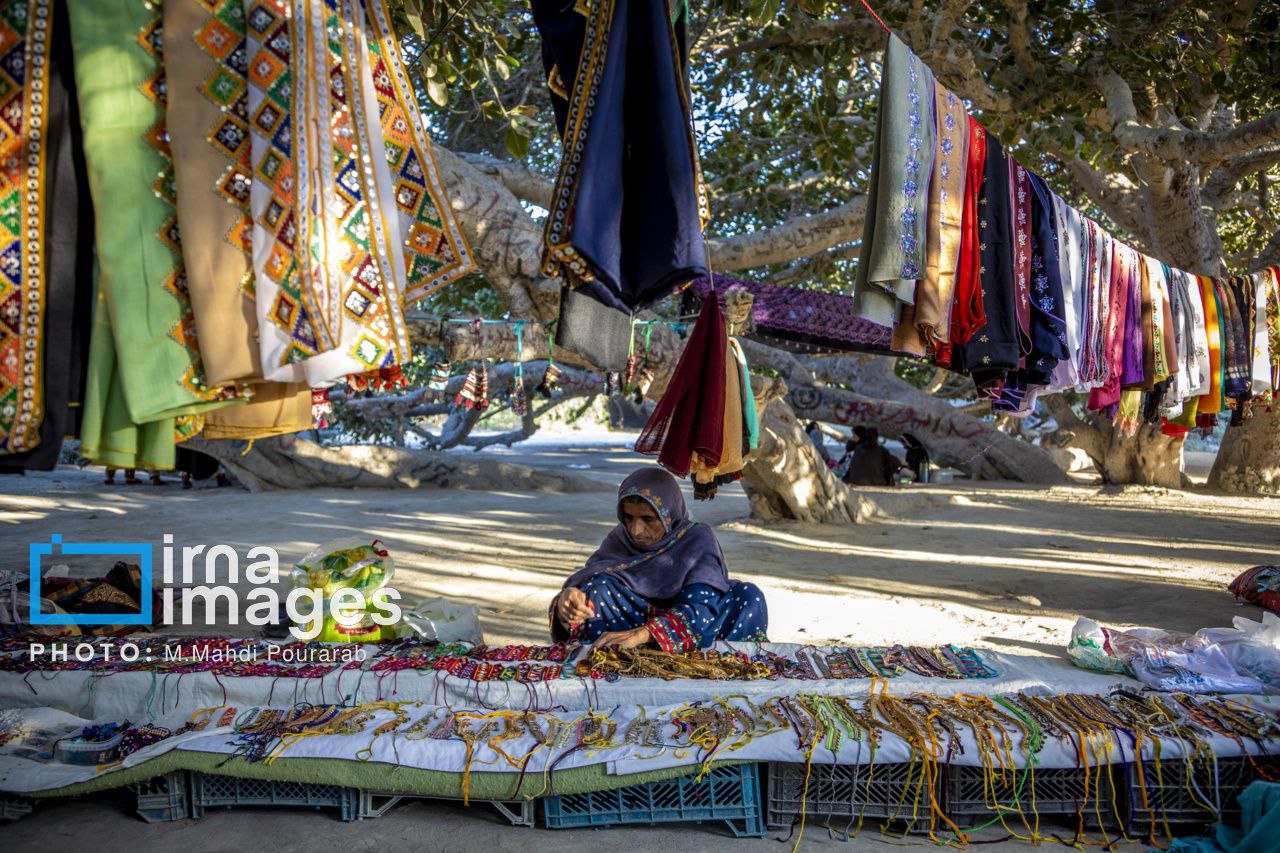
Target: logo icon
x,y
141,550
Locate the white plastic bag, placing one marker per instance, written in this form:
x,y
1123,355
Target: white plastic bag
x,y
442,620
1243,659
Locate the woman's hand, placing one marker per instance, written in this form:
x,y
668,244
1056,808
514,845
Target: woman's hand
x,y
632,639
574,608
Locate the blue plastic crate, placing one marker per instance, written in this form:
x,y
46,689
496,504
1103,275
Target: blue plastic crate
x,y
163,798
214,791
728,793
1206,794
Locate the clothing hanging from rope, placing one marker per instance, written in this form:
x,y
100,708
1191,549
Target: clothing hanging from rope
x,y
628,208
978,266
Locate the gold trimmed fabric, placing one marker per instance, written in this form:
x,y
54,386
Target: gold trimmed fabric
x,y
946,208
25,42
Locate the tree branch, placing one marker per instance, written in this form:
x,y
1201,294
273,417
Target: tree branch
x,y
1222,180
1178,143
795,238
807,31
522,181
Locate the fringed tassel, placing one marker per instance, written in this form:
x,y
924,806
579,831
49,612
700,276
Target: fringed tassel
x,y
321,407
550,381
439,380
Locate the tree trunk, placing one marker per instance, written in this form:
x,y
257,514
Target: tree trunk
x,y
289,462
1147,457
785,478
894,406
1249,459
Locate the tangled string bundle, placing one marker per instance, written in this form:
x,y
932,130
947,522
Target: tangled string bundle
x,y
654,663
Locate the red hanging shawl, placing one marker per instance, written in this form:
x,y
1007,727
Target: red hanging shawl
x,y
689,418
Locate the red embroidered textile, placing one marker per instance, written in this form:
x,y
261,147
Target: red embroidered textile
x,y
689,418
967,314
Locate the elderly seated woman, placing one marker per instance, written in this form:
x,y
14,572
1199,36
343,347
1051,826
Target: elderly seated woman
x,y
659,578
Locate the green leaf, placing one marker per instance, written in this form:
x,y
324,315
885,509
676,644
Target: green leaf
x,y
437,92
517,143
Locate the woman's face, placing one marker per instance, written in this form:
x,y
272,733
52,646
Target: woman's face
x,y
642,522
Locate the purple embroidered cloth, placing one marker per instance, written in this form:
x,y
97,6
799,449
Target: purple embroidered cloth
x,y
796,318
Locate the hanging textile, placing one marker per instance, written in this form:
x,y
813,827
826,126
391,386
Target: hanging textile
x,y
892,254
1261,370
155,372
597,332
945,213
795,318
23,182
108,435
47,287
967,314
1211,402
708,476
628,207
1066,221
1235,296
347,208
209,133
1272,286
750,415
994,347
689,419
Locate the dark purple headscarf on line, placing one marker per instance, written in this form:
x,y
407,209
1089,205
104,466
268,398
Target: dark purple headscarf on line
x,y
688,554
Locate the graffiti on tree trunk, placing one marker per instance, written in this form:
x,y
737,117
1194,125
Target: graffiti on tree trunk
x,y
902,416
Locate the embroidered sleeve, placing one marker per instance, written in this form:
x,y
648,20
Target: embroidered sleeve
x,y
671,632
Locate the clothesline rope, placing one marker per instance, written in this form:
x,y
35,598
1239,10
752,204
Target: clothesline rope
x,y
873,14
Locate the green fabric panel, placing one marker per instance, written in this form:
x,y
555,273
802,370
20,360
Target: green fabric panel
x,y
750,417
110,66
107,435
375,776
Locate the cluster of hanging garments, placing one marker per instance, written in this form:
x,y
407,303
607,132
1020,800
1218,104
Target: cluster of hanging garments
x,y
976,264
210,208
706,424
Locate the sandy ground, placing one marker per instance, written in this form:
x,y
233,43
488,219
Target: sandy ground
x,y
994,565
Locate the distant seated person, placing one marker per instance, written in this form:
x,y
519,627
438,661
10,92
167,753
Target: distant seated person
x,y
658,579
872,464
819,443
917,457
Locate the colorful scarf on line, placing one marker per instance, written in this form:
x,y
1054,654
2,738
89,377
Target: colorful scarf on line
x,y
347,205
689,552
24,103
796,318
1210,403
892,255
689,419
1236,298
945,211
1262,354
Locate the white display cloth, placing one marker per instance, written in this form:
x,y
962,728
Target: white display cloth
x,y
26,763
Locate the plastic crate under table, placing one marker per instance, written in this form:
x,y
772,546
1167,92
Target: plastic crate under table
x,y
729,793
848,792
1042,791
1207,796
209,790
163,798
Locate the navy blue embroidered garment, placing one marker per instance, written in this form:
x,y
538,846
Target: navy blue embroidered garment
x,y
994,348
626,215
1048,326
